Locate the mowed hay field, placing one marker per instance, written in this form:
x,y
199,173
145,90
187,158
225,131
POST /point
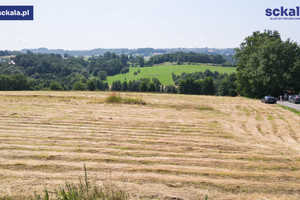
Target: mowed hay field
x,y
175,147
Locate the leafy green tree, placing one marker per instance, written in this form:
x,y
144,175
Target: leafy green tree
x,y
124,86
208,87
14,82
102,75
267,65
144,86
198,87
105,86
55,86
208,73
124,59
79,86
114,55
19,82
134,85
141,61
157,84
107,55
188,86
223,89
91,85
116,86
124,70
151,87
149,63
232,79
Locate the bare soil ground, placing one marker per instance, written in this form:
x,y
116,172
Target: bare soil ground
x,y
176,146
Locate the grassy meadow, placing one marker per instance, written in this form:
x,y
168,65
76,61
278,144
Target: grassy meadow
x,y
153,146
164,72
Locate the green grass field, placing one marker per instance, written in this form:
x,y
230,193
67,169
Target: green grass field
x,y
164,72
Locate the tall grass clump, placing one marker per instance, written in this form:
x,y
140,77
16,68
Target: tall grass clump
x,y
84,190
205,108
116,98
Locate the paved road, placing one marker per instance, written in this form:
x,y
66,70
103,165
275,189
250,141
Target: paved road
x,y
291,105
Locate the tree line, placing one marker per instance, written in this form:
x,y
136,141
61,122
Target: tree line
x,y
67,72
207,83
14,82
191,57
9,53
266,65
140,85
198,83
140,51
54,67
43,69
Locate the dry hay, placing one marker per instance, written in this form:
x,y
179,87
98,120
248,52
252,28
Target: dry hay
x,y
176,146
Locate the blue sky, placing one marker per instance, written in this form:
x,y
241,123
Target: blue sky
x,y
88,24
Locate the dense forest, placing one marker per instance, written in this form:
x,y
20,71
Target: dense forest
x,y
44,71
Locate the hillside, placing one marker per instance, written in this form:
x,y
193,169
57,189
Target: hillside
x,y
164,72
176,146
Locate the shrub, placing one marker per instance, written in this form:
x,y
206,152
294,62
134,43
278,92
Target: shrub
x,y
79,86
124,86
55,86
205,108
151,87
102,75
116,98
134,101
116,85
91,85
113,98
124,70
144,86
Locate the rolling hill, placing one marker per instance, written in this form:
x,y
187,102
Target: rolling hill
x,y
164,72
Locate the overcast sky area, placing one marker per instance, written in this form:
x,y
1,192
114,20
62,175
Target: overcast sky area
x,y
89,24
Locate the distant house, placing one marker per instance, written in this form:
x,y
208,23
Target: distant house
x,y
11,62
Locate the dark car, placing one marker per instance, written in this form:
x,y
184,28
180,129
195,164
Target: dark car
x,y
295,99
269,99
